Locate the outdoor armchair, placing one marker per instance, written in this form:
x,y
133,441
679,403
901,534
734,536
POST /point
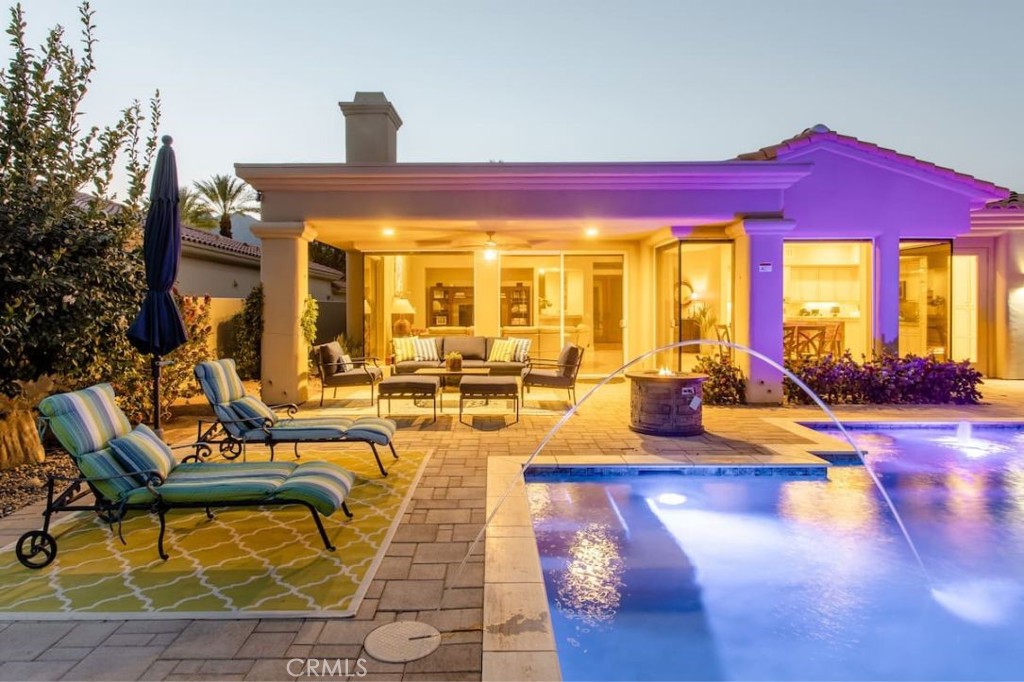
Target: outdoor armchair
x,y
129,470
560,373
337,369
243,419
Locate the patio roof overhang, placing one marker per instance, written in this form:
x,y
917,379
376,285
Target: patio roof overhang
x,y
536,204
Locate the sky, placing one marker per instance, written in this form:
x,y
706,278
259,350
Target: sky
x,y
258,81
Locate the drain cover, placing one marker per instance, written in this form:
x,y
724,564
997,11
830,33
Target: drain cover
x,y
402,641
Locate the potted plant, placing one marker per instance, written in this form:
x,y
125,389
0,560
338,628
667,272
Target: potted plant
x,y
453,361
704,320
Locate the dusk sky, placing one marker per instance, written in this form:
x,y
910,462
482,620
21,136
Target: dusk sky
x,y
259,81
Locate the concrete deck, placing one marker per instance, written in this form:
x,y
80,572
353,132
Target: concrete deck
x,y
493,620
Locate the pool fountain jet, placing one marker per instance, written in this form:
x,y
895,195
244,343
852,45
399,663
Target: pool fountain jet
x,y
980,601
964,433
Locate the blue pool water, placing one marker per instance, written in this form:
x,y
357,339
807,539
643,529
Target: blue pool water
x,y
665,577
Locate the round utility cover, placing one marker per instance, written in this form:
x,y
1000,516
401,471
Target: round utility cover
x,y
402,641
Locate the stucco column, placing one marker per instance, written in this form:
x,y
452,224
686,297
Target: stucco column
x,y
886,293
284,272
759,308
355,296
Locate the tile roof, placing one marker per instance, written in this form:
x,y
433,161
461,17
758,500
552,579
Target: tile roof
x,y
191,235
819,133
1014,202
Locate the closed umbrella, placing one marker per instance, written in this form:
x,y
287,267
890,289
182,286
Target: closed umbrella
x,y
158,329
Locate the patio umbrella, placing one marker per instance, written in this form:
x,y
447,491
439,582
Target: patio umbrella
x,y
158,329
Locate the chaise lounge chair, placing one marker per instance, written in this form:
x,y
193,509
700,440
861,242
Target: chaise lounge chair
x,y
243,419
129,469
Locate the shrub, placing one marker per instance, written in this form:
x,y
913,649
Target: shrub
x,y
310,314
725,384
885,379
248,326
71,275
133,380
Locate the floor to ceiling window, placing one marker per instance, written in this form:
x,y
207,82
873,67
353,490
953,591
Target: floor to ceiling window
x,y
694,298
925,299
555,299
827,293
412,294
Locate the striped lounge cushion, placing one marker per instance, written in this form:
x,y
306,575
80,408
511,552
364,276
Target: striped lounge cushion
x,y
105,474
501,351
426,350
142,452
405,348
86,420
521,350
213,490
220,382
321,484
215,470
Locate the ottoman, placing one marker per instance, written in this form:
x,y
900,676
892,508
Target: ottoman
x,y
489,388
410,387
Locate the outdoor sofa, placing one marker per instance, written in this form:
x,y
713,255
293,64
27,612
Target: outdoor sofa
x,y
474,350
129,469
243,419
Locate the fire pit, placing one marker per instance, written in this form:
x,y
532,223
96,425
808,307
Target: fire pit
x,y
665,403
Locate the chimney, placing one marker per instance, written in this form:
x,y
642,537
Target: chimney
x,y
371,129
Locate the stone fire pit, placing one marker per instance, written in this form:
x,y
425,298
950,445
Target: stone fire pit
x,y
666,404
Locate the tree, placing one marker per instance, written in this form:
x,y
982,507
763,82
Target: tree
x,y
194,211
226,195
71,273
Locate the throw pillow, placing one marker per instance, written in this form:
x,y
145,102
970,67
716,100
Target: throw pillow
x,y
501,351
254,410
426,349
330,357
521,350
141,452
405,348
346,363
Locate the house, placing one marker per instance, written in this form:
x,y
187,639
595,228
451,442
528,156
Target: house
x,y
821,242
228,269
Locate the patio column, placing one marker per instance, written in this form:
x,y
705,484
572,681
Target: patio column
x,y
759,308
284,273
886,293
355,297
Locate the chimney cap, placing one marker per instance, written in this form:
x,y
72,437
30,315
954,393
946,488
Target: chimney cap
x,y
369,103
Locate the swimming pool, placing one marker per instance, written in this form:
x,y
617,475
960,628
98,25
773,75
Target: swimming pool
x,y
662,576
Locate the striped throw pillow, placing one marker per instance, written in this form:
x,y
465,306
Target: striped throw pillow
x,y
405,348
521,350
142,452
86,420
346,363
253,409
501,351
426,349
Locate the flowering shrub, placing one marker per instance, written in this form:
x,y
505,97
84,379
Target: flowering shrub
x,y
725,384
887,378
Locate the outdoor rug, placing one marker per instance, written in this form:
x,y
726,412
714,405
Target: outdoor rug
x,y
245,563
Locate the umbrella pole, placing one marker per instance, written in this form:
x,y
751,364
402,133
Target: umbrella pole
x,y
156,396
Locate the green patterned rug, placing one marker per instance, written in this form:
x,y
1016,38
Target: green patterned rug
x,y
245,563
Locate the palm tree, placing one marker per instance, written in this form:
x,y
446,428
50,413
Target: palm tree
x,y
225,195
193,210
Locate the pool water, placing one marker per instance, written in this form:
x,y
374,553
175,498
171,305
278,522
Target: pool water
x,y
662,576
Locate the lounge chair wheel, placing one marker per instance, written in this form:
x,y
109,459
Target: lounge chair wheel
x,y
36,549
231,449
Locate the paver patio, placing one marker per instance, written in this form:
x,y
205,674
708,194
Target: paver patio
x,y
415,580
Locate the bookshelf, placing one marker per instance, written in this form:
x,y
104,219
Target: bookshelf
x,y
516,306
449,306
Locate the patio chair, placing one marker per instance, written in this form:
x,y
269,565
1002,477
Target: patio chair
x,y
337,369
243,419
129,469
560,373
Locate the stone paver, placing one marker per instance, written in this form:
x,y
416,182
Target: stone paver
x,y
418,573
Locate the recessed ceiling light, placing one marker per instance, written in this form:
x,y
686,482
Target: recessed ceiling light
x,y
591,231
388,232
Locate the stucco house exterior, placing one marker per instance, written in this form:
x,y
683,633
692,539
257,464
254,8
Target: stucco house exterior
x,y
822,239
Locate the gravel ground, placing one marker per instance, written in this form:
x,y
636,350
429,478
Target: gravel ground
x,y
24,485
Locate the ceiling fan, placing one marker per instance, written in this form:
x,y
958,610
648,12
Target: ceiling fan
x,y
490,243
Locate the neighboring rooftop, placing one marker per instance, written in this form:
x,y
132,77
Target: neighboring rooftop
x,y
212,240
1014,202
